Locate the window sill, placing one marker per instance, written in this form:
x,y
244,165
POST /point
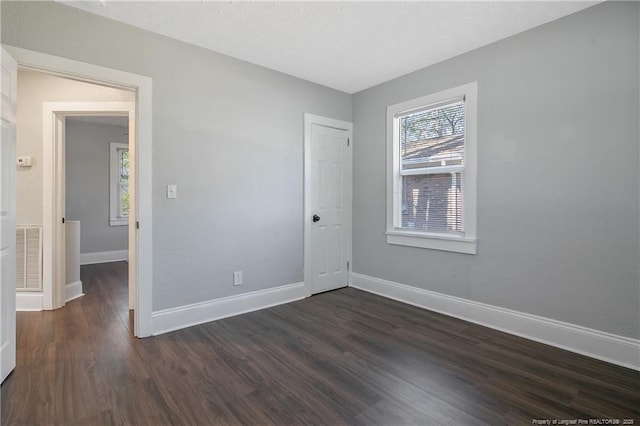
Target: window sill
x,y
432,241
119,222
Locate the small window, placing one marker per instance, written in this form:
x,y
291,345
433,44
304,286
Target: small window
x,y
119,184
431,187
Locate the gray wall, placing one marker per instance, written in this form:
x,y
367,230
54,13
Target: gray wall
x,y
558,175
87,186
558,164
226,132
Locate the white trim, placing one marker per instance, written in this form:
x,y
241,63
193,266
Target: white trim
x,y
53,175
52,208
432,170
405,237
103,257
8,103
172,319
309,121
73,291
597,344
143,252
8,355
432,241
28,301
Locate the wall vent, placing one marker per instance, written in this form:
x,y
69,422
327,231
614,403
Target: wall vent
x,y
29,258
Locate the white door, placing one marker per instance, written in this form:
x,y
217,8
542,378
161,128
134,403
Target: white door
x,y
328,202
8,217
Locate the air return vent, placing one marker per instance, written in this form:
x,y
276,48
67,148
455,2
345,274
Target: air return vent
x,y
29,258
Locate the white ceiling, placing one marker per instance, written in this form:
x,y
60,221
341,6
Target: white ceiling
x,y
349,46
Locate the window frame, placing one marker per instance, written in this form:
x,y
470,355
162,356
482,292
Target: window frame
x,y
466,242
115,202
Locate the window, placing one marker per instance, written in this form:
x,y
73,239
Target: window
x,y
119,184
431,173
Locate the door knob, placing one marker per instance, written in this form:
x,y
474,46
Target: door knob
x,y
316,218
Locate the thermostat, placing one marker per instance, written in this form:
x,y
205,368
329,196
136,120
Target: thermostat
x,y
25,161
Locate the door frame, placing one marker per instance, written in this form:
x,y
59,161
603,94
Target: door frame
x,y
142,85
53,184
309,121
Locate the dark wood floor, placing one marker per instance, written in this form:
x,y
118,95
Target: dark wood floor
x,y
343,357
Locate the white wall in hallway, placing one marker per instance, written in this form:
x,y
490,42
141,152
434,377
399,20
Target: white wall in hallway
x,y
34,88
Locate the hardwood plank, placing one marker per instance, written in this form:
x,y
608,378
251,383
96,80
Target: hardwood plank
x,y
140,404
102,418
344,357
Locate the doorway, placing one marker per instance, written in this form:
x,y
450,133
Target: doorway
x,y
55,117
97,197
141,242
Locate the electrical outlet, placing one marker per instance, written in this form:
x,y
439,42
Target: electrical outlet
x,y
237,278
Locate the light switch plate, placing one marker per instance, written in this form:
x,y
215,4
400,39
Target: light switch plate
x,y
172,191
237,278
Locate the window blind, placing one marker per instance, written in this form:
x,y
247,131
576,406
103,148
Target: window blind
x,y
123,182
432,151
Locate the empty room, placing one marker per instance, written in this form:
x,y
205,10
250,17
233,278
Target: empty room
x,y
324,213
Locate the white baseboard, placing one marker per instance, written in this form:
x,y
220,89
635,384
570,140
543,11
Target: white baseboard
x,y
608,347
7,360
198,313
29,301
73,291
103,257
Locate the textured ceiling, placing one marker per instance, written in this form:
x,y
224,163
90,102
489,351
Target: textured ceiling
x,y
348,46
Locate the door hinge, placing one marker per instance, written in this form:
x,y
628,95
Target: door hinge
x,y
137,225
348,265
348,141
63,220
